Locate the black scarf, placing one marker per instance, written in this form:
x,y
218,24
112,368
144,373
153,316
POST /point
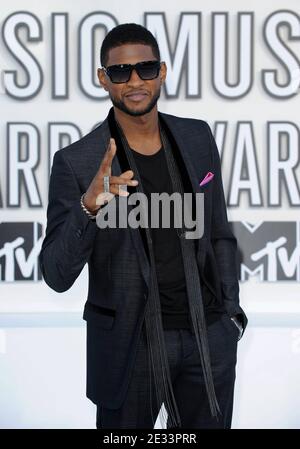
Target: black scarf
x,y
158,357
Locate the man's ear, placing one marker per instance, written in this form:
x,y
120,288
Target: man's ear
x,y
163,73
102,79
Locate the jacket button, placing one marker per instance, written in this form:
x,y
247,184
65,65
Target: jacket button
x,y
79,233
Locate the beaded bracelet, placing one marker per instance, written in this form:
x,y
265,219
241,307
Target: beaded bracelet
x,y
89,214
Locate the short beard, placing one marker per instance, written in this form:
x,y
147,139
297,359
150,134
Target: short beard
x,y
121,105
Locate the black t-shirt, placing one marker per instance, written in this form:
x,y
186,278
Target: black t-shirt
x,y
155,178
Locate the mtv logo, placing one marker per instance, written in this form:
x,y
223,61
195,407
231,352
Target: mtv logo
x,y
20,244
269,250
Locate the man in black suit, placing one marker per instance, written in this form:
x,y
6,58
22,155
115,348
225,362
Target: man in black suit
x,y
159,304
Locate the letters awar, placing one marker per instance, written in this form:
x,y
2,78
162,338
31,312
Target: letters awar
x,y
258,176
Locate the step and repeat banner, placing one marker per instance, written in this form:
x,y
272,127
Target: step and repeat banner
x,y
233,65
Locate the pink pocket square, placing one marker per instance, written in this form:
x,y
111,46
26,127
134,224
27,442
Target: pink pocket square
x,y
208,177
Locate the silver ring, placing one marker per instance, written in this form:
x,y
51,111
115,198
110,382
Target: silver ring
x,y
106,184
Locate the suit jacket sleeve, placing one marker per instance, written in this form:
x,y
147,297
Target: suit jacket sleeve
x,y
70,233
224,242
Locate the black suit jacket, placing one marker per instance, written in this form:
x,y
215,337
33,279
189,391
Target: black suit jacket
x,y
117,258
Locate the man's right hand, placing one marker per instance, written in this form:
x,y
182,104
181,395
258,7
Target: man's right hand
x,y
95,196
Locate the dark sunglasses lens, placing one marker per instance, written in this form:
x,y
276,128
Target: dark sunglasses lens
x,y
119,74
148,71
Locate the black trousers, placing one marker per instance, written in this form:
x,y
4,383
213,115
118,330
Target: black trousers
x,y
187,379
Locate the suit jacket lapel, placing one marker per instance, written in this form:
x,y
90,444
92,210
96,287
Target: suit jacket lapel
x,y
182,146
194,142
135,234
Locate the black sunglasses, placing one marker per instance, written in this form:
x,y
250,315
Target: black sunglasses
x,y
121,73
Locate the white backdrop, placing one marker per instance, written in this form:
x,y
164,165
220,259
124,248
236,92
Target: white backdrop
x,y
245,83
